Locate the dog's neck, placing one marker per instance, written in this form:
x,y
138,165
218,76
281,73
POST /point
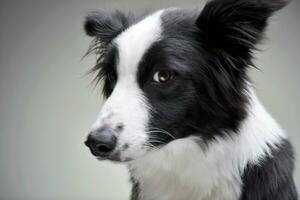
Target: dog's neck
x,y
185,170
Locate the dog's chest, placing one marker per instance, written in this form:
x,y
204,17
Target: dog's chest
x,y
169,187
184,172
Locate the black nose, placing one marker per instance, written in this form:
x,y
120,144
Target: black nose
x,y
101,142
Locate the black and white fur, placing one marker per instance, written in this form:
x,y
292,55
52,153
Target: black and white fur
x,y
202,135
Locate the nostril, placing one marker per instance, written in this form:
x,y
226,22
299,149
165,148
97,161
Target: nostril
x,y
103,149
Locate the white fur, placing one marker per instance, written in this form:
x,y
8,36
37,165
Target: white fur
x,y
184,169
127,104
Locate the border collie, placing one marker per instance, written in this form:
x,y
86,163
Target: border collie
x,y
180,109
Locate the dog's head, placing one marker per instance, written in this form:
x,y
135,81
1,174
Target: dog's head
x,y
173,74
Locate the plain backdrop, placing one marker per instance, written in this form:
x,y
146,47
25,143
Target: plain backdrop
x,y
47,105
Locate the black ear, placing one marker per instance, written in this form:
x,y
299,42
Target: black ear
x,y
236,26
106,26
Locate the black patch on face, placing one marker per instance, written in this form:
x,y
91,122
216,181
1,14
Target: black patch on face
x,y
104,27
106,68
202,99
210,54
272,178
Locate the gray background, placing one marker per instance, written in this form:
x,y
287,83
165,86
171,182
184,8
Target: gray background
x,y
47,106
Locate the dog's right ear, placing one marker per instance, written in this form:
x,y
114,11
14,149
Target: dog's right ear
x,y
236,26
105,26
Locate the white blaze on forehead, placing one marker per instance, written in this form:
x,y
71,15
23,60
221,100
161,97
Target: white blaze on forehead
x,y
135,41
127,104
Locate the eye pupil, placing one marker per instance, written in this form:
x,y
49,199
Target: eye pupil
x,y
163,76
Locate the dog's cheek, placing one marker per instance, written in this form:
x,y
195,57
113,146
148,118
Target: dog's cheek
x,y
168,114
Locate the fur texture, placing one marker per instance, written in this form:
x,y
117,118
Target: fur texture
x,y
187,121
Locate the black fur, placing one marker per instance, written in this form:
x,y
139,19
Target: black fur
x,y
135,191
236,26
272,179
106,26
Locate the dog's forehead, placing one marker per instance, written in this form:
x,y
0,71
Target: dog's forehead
x,y
134,42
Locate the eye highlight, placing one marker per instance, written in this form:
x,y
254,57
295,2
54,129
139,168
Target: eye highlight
x,y
163,76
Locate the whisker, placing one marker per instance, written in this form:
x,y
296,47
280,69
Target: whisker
x,y
162,131
157,141
153,137
151,146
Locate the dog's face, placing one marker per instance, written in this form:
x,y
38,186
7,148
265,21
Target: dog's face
x,y
172,74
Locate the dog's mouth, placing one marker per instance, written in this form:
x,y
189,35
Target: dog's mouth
x,y
116,159
113,157
122,156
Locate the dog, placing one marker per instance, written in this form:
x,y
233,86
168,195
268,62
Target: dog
x,y
180,109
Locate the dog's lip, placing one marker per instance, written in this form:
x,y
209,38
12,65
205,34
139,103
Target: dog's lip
x,y
114,157
100,158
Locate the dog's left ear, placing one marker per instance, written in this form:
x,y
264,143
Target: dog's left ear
x,y
105,26
236,26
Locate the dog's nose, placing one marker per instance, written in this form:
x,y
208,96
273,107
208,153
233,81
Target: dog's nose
x,y
101,142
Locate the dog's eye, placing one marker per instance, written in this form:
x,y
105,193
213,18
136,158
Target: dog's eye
x,y
163,76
